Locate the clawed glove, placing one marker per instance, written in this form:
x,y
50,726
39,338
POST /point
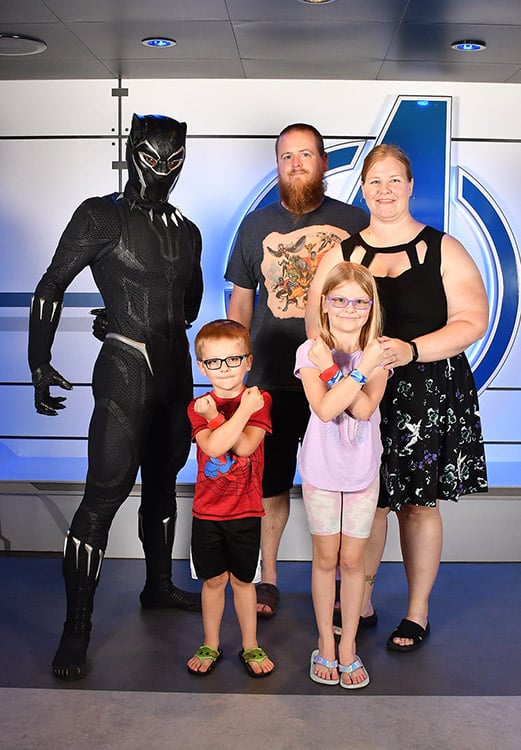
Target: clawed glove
x,y
43,377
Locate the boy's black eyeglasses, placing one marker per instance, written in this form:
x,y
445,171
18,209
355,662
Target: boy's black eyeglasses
x,y
216,363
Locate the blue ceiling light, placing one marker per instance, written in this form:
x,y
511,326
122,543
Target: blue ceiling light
x,y
469,45
158,42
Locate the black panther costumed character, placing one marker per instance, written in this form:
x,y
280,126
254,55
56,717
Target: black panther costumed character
x,y
145,259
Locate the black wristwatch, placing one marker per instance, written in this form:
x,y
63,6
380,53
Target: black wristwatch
x,y
414,348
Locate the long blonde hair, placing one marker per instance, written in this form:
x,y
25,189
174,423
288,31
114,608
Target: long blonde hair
x,y
352,272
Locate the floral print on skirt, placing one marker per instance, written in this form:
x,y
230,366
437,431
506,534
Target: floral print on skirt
x,y
431,434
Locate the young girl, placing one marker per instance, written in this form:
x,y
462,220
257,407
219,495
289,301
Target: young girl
x,y
344,380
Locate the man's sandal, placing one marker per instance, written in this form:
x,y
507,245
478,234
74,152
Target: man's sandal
x,y
269,596
257,655
331,665
349,669
205,653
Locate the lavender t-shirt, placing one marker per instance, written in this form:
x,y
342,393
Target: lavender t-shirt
x,y
344,453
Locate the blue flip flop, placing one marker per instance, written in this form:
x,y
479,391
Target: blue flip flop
x,y
328,664
356,664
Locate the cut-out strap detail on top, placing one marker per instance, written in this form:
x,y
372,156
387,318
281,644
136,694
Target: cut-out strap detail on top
x,y
370,252
425,237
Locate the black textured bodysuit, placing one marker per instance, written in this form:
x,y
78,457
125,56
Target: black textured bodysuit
x,y
146,263
145,258
146,266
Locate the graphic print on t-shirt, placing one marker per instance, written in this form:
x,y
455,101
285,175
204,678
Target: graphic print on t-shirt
x,y
289,263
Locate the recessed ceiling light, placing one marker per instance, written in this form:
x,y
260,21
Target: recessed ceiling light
x,y
158,42
316,2
469,45
16,45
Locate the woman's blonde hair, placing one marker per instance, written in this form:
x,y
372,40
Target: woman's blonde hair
x,y
342,273
382,152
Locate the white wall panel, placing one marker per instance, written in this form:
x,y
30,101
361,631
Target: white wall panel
x,y
335,107
41,184
50,108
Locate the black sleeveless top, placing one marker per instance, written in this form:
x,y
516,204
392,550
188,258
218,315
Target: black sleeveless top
x,y
431,433
414,302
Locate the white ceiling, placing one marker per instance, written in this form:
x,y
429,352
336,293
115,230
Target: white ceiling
x,y
403,40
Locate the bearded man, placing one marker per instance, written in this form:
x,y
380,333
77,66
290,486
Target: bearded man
x,y
277,251
145,259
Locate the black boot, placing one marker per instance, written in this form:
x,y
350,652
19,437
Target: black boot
x,y
157,538
81,570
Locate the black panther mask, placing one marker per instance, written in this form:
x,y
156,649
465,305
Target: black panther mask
x,y
155,156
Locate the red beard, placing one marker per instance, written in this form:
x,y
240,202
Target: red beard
x,y
302,196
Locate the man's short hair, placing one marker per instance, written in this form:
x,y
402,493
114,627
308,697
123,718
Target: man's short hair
x,y
302,126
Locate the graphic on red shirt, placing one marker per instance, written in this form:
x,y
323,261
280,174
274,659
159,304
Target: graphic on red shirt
x,y
229,486
220,465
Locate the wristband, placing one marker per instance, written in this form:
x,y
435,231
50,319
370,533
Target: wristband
x,y
330,373
216,422
414,348
337,377
358,376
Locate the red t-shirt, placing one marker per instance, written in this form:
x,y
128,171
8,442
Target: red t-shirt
x,y
230,486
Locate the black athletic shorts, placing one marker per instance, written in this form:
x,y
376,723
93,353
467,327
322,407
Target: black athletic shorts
x,y
289,419
221,546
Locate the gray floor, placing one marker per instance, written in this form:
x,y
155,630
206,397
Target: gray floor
x,y
461,690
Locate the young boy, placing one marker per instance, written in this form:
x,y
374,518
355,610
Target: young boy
x,y
228,425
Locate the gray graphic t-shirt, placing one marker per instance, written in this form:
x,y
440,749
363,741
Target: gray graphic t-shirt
x,y
277,254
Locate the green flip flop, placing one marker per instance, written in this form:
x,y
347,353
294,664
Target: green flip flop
x,y
254,654
204,653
